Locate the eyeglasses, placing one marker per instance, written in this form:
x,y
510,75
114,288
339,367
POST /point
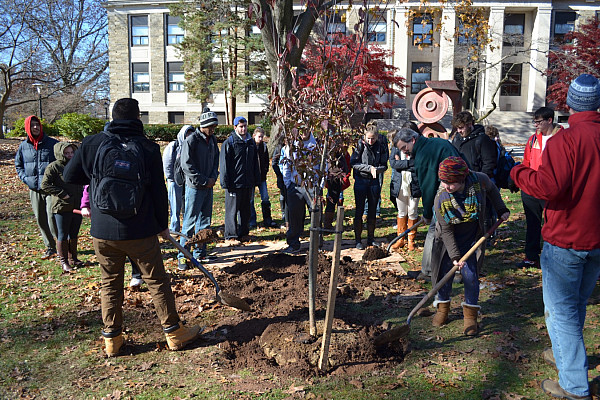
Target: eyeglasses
x,y
538,121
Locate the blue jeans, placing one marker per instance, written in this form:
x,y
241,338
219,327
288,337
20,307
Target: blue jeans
x,y
264,197
469,276
175,201
568,278
68,225
197,216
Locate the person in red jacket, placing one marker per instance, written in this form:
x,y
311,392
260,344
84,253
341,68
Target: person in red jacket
x,y
568,179
543,120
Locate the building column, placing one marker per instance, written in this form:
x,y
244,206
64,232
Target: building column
x,y
157,59
493,59
536,90
446,61
401,38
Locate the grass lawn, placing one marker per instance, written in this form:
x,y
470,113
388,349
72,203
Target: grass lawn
x,y
50,343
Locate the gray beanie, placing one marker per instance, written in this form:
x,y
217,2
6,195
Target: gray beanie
x,y
584,93
208,118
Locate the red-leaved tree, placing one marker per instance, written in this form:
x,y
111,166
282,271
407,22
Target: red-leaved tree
x,y
578,55
362,69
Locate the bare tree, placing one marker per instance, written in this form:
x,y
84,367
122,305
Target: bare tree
x,y
61,44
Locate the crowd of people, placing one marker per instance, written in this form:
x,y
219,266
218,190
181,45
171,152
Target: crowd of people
x,y
128,202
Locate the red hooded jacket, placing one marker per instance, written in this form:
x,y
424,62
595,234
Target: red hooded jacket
x,y
569,180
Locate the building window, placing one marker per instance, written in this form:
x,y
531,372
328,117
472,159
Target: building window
x,y
176,117
422,30
564,22
335,22
176,77
466,36
377,28
141,77
174,31
514,30
139,30
144,117
513,74
420,72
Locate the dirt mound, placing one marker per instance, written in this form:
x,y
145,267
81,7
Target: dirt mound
x,y
373,253
203,236
275,337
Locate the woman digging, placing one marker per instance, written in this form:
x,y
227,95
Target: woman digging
x,y
460,211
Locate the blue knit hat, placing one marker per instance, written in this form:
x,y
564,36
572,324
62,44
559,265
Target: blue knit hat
x,y
237,120
584,93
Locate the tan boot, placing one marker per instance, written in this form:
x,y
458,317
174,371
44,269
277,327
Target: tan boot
x,y
113,344
471,328
401,228
412,234
179,336
441,315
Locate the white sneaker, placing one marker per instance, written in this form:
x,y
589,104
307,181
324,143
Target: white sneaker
x,y
136,282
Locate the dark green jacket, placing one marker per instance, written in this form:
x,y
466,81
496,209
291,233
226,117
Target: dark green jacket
x,y
54,184
428,153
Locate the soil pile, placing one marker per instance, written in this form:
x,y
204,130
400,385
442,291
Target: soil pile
x,y
274,337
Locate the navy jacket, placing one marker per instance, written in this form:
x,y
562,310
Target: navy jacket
x,y
153,215
31,163
238,163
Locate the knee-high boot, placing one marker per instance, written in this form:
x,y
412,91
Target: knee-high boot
x,y
402,221
73,260
412,234
62,248
371,232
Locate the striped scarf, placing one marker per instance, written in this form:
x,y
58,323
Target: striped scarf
x,y
451,210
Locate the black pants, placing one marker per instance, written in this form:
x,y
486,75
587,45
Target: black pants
x,y
237,201
534,209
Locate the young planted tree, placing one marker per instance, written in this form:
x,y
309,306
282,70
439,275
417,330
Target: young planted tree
x,y
220,55
578,55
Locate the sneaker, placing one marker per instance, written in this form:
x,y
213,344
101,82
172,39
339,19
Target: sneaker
x,y
290,250
359,246
553,389
182,264
135,283
528,264
548,357
49,253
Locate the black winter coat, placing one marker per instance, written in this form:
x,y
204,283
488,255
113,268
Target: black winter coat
x,y
153,216
238,163
478,149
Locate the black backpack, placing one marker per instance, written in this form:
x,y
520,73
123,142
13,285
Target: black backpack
x,y
504,164
119,176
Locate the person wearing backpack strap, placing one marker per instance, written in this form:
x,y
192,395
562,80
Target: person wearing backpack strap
x,y
126,231
200,163
239,174
545,128
171,167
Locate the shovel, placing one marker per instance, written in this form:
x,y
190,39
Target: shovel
x,y
403,330
406,232
222,297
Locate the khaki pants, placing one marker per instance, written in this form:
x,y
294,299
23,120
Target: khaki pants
x,y
146,254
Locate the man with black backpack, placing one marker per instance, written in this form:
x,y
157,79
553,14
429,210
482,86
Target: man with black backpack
x,y
129,208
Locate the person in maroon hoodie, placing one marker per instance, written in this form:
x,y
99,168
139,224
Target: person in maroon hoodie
x,y
568,179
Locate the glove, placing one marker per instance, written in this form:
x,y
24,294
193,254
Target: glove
x,y
512,186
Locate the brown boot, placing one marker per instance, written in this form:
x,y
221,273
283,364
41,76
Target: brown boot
x,y
73,260
62,248
401,228
328,217
113,343
178,336
412,234
471,328
441,315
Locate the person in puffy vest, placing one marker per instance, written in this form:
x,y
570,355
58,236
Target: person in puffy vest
x,y
32,158
116,238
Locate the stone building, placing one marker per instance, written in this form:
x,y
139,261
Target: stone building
x,y
144,63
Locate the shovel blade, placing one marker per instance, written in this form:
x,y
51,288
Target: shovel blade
x,y
393,334
233,301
